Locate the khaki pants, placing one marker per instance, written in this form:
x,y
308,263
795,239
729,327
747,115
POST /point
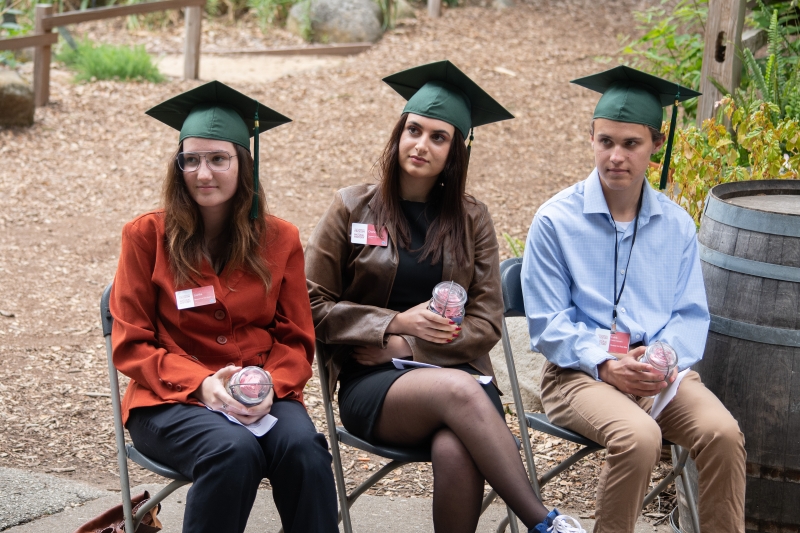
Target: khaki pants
x,y
695,419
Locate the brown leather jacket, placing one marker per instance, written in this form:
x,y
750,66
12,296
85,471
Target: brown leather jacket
x,y
349,286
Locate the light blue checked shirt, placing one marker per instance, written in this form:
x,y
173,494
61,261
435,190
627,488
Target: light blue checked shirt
x,y
567,278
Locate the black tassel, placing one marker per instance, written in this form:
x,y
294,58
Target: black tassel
x,y
254,208
668,151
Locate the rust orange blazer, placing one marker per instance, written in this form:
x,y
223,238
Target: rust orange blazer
x,y
168,352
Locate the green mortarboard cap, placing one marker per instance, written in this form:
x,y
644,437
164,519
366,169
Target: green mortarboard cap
x,y
216,111
630,95
441,91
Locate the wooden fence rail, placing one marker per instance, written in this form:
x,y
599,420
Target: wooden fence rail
x,y
45,21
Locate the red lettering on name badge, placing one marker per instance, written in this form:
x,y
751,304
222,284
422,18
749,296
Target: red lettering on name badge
x,y
619,343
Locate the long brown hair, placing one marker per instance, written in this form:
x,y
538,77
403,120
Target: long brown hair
x,y
184,225
446,199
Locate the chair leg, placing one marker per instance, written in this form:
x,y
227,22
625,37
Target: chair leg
x,y
119,434
677,468
372,480
155,500
520,408
690,499
333,440
512,520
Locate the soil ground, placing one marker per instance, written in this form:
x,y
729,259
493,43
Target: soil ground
x,y
93,161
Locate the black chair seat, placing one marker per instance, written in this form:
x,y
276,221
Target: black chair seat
x,y
540,422
154,466
406,455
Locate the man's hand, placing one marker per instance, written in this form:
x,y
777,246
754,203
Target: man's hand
x,y
212,392
424,324
396,347
632,377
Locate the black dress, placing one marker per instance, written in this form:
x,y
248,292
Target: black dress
x,y
363,388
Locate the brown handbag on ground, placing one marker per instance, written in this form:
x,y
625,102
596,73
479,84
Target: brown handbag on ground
x,y
113,520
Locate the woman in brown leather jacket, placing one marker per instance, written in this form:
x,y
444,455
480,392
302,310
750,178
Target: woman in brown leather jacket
x,y
370,290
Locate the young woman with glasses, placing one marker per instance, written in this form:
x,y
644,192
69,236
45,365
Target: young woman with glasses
x,y
370,294
205,286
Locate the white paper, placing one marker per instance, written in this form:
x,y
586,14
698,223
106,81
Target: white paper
x,y
185,299
358,234
603,337
662,399
258,428
401,364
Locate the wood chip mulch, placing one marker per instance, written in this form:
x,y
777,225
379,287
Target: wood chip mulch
x,y
93,161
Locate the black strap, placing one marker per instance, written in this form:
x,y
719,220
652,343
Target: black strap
x,y
617,297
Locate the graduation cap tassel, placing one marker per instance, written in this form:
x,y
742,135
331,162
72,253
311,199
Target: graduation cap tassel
x,y
668,151
469,145
254,208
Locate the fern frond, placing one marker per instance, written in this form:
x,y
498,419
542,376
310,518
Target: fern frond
x,y
755,73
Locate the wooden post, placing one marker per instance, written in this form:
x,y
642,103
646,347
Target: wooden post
x,y
41,58
191,50
434,8
721,56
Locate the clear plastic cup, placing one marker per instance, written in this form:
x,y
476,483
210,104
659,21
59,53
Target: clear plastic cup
x,y
661,356
449,299
250,385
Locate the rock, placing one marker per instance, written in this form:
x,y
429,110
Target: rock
x,y
502,4
403,10
16,100
528,364
336,21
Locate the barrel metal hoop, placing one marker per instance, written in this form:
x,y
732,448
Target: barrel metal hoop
x,y
748,266
754,332
752,219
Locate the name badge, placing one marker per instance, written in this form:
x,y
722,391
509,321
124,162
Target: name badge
x,y
195,297
366,234
614,343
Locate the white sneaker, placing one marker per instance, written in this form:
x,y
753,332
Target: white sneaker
x,y
566,524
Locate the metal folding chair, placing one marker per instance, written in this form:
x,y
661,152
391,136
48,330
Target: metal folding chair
x,y
398,457
125,452
513,304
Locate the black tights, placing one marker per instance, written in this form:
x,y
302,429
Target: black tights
x,y
470,444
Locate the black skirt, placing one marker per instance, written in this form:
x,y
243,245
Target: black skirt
x,y
362,390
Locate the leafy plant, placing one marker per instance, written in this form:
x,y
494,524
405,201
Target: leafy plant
x,y
268,12
776,79
671,45
517,245
757,148
108,62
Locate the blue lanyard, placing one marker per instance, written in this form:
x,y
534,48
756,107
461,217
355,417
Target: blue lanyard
x,y
616,259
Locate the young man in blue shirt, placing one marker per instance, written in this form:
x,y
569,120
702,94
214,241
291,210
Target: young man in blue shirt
x,y
610,267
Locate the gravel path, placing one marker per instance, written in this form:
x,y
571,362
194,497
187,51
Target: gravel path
x,y
93,160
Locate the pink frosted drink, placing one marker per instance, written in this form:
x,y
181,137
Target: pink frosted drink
x,y
448,301
250,385
660,356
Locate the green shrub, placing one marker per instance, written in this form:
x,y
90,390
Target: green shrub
x,y
755,148
107,62
671,45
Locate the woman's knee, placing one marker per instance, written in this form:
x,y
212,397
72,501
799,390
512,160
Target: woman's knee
x,y
458,388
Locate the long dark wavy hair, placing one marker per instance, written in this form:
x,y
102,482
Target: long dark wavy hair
x,y
184,225
447,199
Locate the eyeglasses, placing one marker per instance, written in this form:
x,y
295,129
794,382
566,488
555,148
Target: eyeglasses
x,y
216,161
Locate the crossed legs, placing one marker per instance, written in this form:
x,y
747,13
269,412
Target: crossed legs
x,y
470,443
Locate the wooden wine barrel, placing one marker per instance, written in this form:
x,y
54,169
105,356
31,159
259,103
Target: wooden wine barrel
x,y
750,252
